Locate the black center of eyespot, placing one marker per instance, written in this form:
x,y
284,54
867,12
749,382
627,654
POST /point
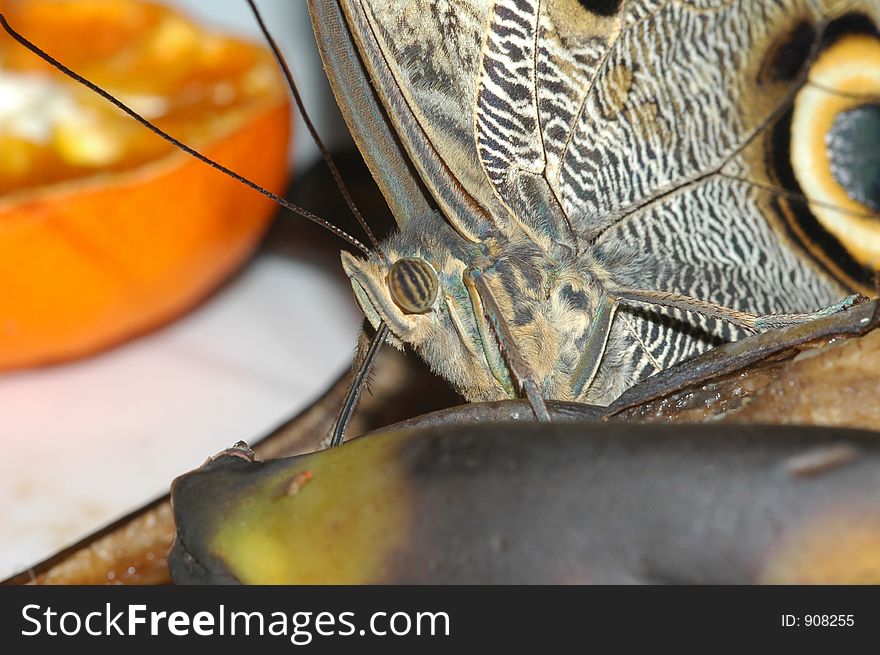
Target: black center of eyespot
x,y
601,7
413,285
853,146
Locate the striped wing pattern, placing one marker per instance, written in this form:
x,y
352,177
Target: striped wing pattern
x,y
611,128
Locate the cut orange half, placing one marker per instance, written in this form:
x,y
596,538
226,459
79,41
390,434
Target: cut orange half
x,y
107,231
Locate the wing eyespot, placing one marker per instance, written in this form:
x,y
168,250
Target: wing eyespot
x,y
835,144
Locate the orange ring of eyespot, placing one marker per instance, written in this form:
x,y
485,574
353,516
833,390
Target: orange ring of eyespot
x,y
845,76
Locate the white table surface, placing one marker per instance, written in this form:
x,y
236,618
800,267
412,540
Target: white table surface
x,y
85,443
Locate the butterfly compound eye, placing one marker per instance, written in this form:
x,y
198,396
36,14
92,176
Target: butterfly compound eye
x,y
413,285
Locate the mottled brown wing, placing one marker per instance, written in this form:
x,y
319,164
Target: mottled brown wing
x,y
366,118
660,135
422,57
732,197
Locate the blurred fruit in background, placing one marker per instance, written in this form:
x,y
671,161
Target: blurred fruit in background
x,y
107,231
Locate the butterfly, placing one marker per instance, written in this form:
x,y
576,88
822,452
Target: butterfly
x,y
590,191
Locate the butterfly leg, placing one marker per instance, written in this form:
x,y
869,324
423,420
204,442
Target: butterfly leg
x,y
600,328
359,381
749,322
513,357
774,321
594,348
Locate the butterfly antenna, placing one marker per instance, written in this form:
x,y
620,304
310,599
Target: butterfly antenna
x,y
175,142
325,153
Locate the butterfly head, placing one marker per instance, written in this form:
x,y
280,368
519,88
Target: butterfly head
x,y
417,288
407,286
403,290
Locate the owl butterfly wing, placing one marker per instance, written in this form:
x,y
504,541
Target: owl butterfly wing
x,y
577,112
722,183
698,88
686,142
366,119
475,144
615,104
424,58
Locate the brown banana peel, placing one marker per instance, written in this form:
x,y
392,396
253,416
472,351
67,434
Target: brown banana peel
x,y
517,502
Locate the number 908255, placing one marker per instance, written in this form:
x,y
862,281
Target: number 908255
x,y
818,620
